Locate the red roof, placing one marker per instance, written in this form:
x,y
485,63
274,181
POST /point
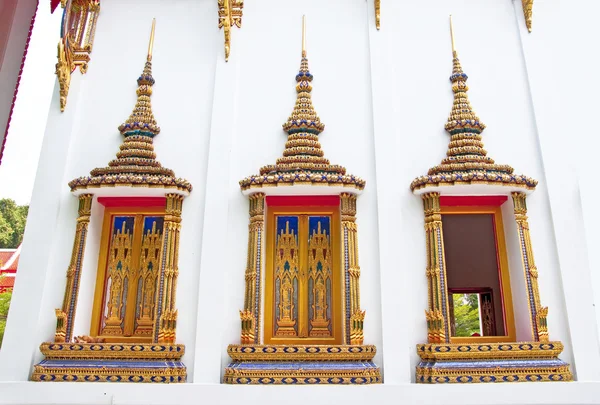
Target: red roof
x,y
6,283
10,260
12,107
14,265
5,255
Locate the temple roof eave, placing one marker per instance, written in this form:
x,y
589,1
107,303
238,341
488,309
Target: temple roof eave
x,y
125,185
302,183
472,184
301,189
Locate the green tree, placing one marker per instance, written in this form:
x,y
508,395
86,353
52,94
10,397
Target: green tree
x,y
12,223
4,305
466,314
6,232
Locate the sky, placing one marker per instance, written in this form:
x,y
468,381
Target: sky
x,y
26,132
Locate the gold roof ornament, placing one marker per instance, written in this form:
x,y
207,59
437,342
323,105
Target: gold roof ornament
x,y
303,161
230,15
528,12
466,161
78,27
136,163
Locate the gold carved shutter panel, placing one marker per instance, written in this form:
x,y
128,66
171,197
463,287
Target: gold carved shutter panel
x,y
303,278
131,276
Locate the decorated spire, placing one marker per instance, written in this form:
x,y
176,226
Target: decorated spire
x,y
136,162
303,160
466,159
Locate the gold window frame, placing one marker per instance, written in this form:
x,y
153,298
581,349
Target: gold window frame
x,y
502,260
337,291
98,304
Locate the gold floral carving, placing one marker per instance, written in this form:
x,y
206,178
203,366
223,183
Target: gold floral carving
x,y
166,314
66,315
230,15
378,14
349,228
250,315
64,67
437,313
538,313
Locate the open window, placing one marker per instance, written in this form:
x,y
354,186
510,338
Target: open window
x,y
479,295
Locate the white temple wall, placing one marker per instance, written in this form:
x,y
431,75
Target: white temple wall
x,y
580,95
555,123
384,97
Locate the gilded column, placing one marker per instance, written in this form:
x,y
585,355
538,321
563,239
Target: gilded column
x,y
250,315
354,316
437,315
537,313
66,315
166,314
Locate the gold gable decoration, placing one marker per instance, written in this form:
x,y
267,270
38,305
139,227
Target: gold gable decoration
x,y
76,42
230,15
528,13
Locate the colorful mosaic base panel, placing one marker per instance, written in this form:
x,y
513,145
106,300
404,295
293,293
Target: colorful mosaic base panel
x,y
497,362
302,372
489,371
157,371
105,362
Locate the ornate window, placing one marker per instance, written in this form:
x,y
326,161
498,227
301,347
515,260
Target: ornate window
x,y
303,275
477,271
128,266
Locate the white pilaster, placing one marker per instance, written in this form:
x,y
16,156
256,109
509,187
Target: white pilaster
x,y
540,55
395,292
212,291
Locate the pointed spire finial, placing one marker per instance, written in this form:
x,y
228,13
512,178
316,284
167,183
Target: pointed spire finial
x,y
452,37
304,36
303,160
151,44
136,163
466,160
